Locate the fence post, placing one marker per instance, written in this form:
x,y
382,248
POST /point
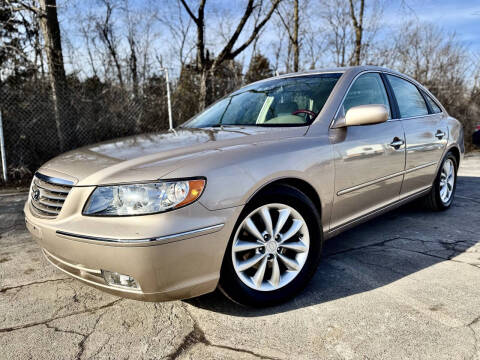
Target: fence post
x,y
169,103
2,150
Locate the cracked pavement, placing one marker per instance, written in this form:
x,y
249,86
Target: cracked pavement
x,y
404,285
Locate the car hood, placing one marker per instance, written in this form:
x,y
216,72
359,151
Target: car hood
x,y
152,156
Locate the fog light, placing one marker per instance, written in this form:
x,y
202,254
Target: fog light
x,y
116,279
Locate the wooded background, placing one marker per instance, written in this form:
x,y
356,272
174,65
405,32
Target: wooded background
x,y
78,72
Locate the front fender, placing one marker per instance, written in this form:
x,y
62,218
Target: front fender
x,y
235,175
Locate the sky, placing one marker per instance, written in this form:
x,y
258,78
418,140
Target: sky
x,y
459,16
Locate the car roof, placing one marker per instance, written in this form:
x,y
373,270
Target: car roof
x,y
353,69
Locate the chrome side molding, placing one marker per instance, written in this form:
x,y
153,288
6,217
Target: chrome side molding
x,y
166,238
403,172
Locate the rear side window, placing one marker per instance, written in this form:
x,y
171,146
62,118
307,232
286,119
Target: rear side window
x,y
368,89
433,105
410,101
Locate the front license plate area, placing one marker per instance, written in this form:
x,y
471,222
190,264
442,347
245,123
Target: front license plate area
x,y
34,230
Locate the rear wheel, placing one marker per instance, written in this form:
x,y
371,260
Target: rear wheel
x,y
274,248
443,189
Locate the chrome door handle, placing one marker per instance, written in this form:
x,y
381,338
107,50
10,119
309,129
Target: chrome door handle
x,y
440,134
396,143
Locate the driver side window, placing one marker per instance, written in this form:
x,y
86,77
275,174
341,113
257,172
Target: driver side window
x,y
368,89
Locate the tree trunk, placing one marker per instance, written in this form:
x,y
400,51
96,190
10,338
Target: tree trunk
x,y
358,46
202,101
204,66
135,82
295,44
358,27
133,67
53,48
107,36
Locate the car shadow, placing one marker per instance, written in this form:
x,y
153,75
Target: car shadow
x,y
379,252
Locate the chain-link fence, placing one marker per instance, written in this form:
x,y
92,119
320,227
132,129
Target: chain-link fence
x,y
37,129
37,126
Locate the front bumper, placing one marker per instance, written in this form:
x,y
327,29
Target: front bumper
x,y
167,264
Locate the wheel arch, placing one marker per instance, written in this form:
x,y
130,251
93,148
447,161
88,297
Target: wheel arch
x,y
297,183
231,285
456,152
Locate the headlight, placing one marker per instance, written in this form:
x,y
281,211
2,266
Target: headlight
x,y
141,199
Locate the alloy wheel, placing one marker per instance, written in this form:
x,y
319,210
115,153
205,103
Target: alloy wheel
x,y
270,247
447,180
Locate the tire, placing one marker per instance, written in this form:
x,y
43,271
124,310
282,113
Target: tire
x,y
277,283
437,199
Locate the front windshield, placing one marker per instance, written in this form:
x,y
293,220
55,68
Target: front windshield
x,y
292,101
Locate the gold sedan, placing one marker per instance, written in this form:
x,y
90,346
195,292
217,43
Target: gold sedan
x,y
242,196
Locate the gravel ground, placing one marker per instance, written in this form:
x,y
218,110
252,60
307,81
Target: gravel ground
x,y
405,285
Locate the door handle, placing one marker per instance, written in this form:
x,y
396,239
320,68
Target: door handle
x,y
440,134
397,143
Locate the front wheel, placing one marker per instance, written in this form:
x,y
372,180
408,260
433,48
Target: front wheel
x,y
443,189
274,249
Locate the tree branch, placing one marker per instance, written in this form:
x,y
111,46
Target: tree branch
x,y
362,7
200,22
201,32
228,47
18,51
284,24
352,14
24,6
187,8
255,31
358,27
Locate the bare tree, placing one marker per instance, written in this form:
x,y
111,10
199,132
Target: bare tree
x,y
17,32
44,16
53,47
291,25
107,36
133,62
295,40
351,29
179,27
207,66
440,62
337,25
276,48
357,21
37,46
314,49
86,30
145,47
133,48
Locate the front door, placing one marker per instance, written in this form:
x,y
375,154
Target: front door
x,y
369,159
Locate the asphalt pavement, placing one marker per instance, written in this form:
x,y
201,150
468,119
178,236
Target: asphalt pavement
x,y
403,286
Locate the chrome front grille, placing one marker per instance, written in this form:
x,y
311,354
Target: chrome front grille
x,y
48,194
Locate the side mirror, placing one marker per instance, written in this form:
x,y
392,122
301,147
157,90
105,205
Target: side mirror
x,y
364,115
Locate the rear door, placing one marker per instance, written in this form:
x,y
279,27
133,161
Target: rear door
x,y
369,159
425,132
